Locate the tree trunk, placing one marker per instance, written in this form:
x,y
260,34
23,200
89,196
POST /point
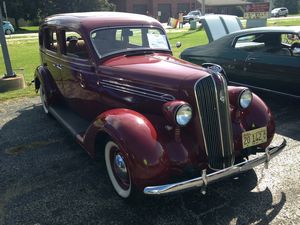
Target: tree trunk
x,y
17,23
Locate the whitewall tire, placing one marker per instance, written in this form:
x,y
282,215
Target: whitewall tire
x,y
117,169
44,100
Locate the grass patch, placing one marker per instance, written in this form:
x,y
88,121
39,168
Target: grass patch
x,y
29,29
188,39
284,22
24,59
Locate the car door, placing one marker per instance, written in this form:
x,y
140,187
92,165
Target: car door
x,y
51,55
78,75
279,73
275,69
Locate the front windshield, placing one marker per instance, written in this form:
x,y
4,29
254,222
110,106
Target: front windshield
x,y
121,39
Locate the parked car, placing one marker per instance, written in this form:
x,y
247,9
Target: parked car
x,y
7,27
161,124
264,58
279,12
192,15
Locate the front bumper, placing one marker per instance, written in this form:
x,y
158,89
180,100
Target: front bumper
x,y
205,179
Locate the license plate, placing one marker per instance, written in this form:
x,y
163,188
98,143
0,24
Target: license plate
x,y
254,137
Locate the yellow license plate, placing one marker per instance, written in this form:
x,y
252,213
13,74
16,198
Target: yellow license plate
x,y
254,137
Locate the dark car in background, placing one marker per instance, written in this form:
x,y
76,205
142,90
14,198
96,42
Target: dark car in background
x,y
266,58
159,124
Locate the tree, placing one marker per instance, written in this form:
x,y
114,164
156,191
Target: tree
x,y
38,9
49,7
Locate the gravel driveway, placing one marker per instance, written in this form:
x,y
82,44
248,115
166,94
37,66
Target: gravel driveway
x,y
46,178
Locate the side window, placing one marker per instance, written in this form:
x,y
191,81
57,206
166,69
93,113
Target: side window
x,y
50,41
74,45
293,42
250,43
135,37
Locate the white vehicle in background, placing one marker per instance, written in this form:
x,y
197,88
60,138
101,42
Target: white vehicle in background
x,y
192,15
279,12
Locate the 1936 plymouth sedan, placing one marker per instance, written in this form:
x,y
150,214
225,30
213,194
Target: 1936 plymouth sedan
x,y
161,124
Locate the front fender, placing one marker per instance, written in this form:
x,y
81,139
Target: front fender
x,y
138,140
257,115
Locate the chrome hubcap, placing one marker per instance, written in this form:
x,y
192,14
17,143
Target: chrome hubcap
x,y
120,167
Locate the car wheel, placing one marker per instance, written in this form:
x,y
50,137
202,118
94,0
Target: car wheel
x,y
117,169
8,32
44,100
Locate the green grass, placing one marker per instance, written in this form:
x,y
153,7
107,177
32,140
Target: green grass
x,y
24,59
27,29
188,39
284,22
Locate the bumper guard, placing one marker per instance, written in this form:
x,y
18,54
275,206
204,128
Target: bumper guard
x,y
205,179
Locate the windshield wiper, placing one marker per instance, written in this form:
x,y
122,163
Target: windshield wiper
x,y
138,52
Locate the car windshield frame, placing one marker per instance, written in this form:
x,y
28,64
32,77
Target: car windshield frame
x,y
142,50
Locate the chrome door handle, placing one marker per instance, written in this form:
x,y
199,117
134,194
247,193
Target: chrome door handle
x,y
81,81
250,59
58,66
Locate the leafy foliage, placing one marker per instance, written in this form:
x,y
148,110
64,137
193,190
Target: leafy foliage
x,y
38,9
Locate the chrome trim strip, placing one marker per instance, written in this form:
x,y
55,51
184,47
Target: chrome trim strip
x,y
228,113
198,109
265,89
270,153
219,119
137,91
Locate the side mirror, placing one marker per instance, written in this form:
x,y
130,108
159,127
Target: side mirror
x,y
178,44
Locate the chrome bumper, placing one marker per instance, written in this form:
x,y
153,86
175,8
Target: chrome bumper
x,y
205,179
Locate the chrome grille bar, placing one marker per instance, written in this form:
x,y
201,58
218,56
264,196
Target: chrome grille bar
x,y
215,121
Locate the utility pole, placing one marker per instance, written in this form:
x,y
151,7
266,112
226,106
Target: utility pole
x,y
9,71
203,7
5,11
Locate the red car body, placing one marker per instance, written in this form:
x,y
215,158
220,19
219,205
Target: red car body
x,y
133,98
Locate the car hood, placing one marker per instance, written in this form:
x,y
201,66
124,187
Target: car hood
x,y
217,26
159,72
155,68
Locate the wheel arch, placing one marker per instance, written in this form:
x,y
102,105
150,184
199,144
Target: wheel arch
x,y
137,137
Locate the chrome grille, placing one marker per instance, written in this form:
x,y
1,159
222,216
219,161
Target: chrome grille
x,y
213,108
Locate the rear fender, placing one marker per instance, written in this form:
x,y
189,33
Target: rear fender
x,y
43,77
138,142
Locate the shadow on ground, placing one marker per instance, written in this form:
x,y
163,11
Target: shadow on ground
x,y
286,112
47,178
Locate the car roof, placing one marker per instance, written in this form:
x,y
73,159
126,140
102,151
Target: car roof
x,y
278,29
93,20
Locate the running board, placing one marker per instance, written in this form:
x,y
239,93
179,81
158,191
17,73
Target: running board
x,y
75,124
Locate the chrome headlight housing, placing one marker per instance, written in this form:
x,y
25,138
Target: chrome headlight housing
x,y
245,99
183,115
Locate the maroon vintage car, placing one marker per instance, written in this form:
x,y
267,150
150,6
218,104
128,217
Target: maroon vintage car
x,y
161,124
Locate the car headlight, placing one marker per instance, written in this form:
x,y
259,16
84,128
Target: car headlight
x,y
183,115
245,99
